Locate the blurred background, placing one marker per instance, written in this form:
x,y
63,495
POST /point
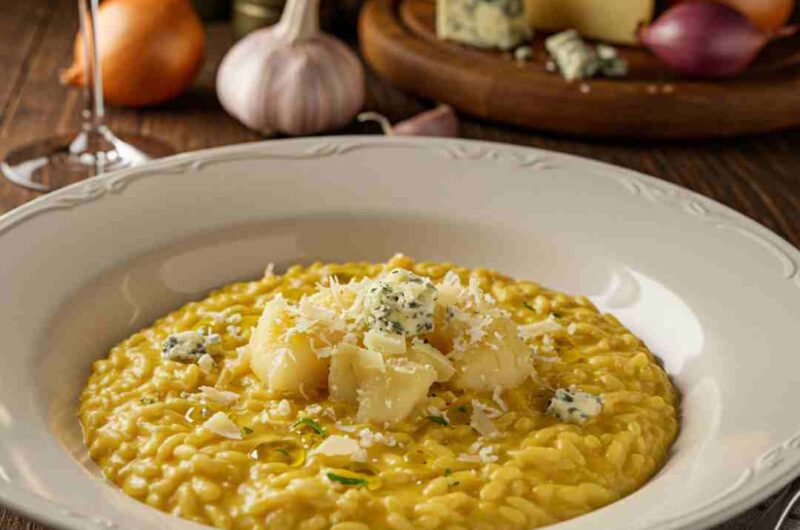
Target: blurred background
x,y
618,88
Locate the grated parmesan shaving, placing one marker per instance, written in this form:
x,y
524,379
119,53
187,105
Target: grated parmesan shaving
x,y
206,363
282,409
537,329
497,396
222,425
369,438
490,411
337,445
480,422
221,397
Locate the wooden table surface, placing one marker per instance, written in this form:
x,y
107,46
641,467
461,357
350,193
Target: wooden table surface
x,y
759,175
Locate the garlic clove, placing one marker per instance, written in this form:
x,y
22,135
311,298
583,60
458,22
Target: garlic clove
x,y
441,121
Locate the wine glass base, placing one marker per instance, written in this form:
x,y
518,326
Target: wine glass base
x,y
57,161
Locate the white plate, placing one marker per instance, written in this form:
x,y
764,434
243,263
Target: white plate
x,y
716,295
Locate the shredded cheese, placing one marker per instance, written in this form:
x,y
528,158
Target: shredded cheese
x,y
221,397
337,445
206,362
481,422
220,424
537,329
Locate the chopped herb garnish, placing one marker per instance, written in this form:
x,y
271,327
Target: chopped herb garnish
x,y
147,400
456,483
247,430
283,451
347,481
440,420
316,427
461,408
527,305
448,472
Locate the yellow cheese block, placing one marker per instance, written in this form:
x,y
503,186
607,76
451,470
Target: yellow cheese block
x,y
612,21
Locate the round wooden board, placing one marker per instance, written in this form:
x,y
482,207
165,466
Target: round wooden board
x,y
398,40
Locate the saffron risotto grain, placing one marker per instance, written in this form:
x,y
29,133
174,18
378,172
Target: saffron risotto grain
x,y
143,421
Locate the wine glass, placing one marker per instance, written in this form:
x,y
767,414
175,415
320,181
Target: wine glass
x,y
60,160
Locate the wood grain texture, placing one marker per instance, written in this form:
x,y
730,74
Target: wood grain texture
x,y
757,175
398,39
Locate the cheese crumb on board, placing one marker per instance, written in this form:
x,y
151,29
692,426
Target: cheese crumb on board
x,y
498,24
574,58
577,60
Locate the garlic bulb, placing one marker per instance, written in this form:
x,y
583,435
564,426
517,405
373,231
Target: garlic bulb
x,y
291,78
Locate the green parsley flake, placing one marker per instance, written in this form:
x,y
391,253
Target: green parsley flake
x,y
438,419
247,430
526,304
316,427
147,400
347,481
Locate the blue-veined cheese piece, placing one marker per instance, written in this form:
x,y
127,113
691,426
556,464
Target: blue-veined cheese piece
x,y
573,406
187,346
611,64
401,303
574,58
483,23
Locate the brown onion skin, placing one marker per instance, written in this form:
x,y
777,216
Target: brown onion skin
x,y
151,51
765,14
704,39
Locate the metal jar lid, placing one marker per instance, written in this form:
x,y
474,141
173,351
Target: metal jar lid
x,y
249,15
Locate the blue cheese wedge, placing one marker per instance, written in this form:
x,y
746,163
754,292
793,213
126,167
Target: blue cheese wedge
x,y
573,406
483,23
401,303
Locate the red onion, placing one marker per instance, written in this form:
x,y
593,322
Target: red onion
x,y
706,39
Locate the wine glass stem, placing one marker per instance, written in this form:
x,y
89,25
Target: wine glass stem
x,y
94,108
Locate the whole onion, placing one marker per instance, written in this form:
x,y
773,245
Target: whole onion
x,y
765,14
706,39
149,50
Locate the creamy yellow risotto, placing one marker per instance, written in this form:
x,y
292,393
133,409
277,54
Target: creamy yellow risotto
x,y
399,395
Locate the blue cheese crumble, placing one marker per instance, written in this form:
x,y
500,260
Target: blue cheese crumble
x,y
187,346
573,406
577,60
401,302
